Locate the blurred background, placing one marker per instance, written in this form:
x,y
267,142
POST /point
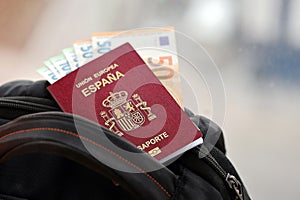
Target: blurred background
x,y
254,43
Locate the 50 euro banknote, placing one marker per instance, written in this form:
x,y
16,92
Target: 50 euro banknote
x,y
156,46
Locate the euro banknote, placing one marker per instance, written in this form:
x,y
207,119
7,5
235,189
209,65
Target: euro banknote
x,y
84,51
51,66
47,74
71,57
156,46
61,64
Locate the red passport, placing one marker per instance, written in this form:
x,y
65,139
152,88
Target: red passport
x,y
120,92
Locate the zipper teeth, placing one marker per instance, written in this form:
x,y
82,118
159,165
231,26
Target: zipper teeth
x,y
235,186
17,106
217,166
213,163
26,106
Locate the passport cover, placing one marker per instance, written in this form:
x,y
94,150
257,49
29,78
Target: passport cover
x,y
119,91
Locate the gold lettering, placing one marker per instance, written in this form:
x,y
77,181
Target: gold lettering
x,y
165,135
92,88
154,140
111,77
157,139
98,84
119,75
144,146
139,147
147,143
96,75
105,70
105,82
85,92
85,81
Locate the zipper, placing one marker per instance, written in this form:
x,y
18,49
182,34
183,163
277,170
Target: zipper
x,y
233,183
28,106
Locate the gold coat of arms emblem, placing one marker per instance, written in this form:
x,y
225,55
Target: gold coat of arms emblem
x,y
127,114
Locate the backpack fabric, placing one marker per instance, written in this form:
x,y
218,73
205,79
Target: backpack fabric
x,y
42,156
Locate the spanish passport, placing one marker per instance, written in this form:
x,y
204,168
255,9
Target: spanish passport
x,y
119,91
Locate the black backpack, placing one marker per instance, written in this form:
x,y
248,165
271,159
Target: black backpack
x,y
43,157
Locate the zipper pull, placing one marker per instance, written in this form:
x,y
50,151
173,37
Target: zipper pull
x,y
235,185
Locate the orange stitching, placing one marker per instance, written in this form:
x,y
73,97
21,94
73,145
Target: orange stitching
x,y
94,143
